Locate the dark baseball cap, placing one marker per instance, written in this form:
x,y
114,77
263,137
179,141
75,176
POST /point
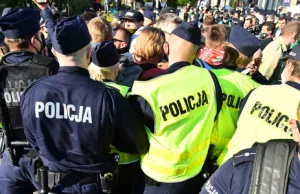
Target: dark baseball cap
x,y
294,54
133,15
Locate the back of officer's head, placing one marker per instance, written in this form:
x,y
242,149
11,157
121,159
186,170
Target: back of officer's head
x,y
291,71
216,36
71,42
188,37
291,32
21,30
105,62
241,47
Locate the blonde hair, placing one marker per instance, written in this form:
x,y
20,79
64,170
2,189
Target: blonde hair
x,y
149,44
101,73
100,29
236,57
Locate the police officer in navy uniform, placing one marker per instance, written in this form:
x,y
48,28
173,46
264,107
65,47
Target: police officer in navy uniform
x,y
235,175
72,120
23,64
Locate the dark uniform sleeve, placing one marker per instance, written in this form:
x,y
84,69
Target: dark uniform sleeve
x,y
244,102
143,110
220,182
50,23
130,135
26,107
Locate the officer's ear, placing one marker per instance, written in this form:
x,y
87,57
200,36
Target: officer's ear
x,y
289,67
166,48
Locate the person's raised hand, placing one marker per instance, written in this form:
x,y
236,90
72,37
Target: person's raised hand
x,y
42,4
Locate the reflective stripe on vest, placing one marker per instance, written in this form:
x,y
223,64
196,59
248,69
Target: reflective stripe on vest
x,y
235,86
125,158
123,89
184,116
264,117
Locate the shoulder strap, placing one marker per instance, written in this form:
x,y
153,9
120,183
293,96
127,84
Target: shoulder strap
x,y
203,64
271,167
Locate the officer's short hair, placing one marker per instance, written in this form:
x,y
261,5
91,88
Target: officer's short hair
x,y
100,29
236,57
101,73
216,35
290,28
167,19
19,43
296,64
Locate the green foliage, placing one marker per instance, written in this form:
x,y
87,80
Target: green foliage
x,y
184,2
77,7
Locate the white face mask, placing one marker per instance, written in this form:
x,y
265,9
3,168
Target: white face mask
x,y
283,79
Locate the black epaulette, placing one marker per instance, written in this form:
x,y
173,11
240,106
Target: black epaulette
x,y
246,155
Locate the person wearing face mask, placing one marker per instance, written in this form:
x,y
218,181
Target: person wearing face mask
x,y
265,107
266,34
271,66
225,20
128,71
21,66
266,167
134,21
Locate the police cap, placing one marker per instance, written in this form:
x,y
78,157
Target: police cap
x,y
105,54
294,54
6,11
149,15
20,23
188,32
70,35
244,41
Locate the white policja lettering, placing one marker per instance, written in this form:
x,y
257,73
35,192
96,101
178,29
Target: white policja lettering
x,y
68,111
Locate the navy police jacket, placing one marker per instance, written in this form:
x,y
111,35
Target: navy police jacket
x,y
234,176
72,120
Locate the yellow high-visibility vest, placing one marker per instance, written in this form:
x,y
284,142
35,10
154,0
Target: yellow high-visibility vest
x,y
235,86
125,158
264,117
184,104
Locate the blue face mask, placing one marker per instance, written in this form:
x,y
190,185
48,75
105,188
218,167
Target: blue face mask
x,y
294,44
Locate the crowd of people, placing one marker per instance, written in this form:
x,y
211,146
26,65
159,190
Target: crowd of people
x,y
200,100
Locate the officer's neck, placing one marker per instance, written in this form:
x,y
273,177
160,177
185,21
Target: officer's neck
x,y
294,79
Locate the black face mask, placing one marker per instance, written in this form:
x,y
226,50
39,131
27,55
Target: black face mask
x,y
123,50
43,44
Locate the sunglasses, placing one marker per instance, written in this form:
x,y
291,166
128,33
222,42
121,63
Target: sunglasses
x,y
117,40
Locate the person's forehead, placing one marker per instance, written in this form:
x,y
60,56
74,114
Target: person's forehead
x,y
119,34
